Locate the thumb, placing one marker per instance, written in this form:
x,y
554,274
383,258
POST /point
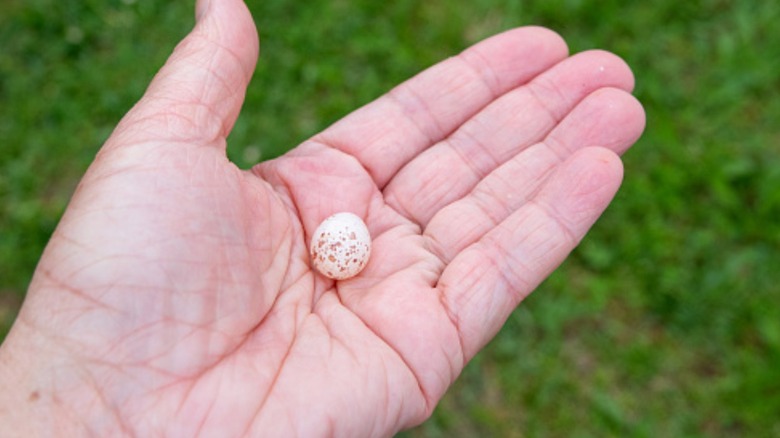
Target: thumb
x,y
196,96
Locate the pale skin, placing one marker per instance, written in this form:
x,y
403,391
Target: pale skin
x,y
176,297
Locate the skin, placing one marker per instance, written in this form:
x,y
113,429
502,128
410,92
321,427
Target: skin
x,y
176,296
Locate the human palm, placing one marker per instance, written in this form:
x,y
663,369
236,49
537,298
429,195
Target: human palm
x,y
176,296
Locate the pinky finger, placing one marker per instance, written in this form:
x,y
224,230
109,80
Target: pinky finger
x,y
487,280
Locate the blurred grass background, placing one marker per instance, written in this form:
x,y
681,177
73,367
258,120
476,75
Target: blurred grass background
x,y
665,322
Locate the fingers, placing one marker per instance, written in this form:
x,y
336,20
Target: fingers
x,y
486,281
451,169
609,117
196,96
387,133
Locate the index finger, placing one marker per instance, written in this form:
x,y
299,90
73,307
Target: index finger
x,y
387,133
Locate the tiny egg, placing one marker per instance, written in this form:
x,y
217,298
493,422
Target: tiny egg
x,y
340,246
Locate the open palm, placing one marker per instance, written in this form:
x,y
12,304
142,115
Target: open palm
x,y
176,296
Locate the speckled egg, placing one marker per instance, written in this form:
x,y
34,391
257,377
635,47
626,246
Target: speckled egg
x,y
340,246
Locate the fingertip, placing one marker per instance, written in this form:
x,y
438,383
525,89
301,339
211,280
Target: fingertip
x,y
621,101
629,116
609,117
610,163
583,187
546,37
597,173
638,116
606,68
230,24
552,39
598,162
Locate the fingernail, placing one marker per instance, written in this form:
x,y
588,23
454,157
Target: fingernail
x,y
201,8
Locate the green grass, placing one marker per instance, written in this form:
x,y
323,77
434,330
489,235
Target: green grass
x,y
665,322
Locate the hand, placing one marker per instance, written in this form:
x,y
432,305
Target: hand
x,y
176,295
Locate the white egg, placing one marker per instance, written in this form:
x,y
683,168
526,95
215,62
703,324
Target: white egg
x,y
340,246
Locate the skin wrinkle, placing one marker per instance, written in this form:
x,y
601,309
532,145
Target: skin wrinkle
x,y
332,338
247,70
379,208
141,126
62,285
134,157
435,248
483,71
124,286
209,64
74,276
502,119
69,411
301,277
427,400
56,340
531,194
197,100
425,397
433,267
595,113
92,309
353,159
556,148
466,155
280,366
422,261
481,203
503,261
285,282
386,400
274,381
185,399
462,301
543,83
568,231
351,352
91,381
158,391
126,338
412,106
164,356
398,204
438,131
277,249
183,127
560,147
455,321
408,232
213,65
74,242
